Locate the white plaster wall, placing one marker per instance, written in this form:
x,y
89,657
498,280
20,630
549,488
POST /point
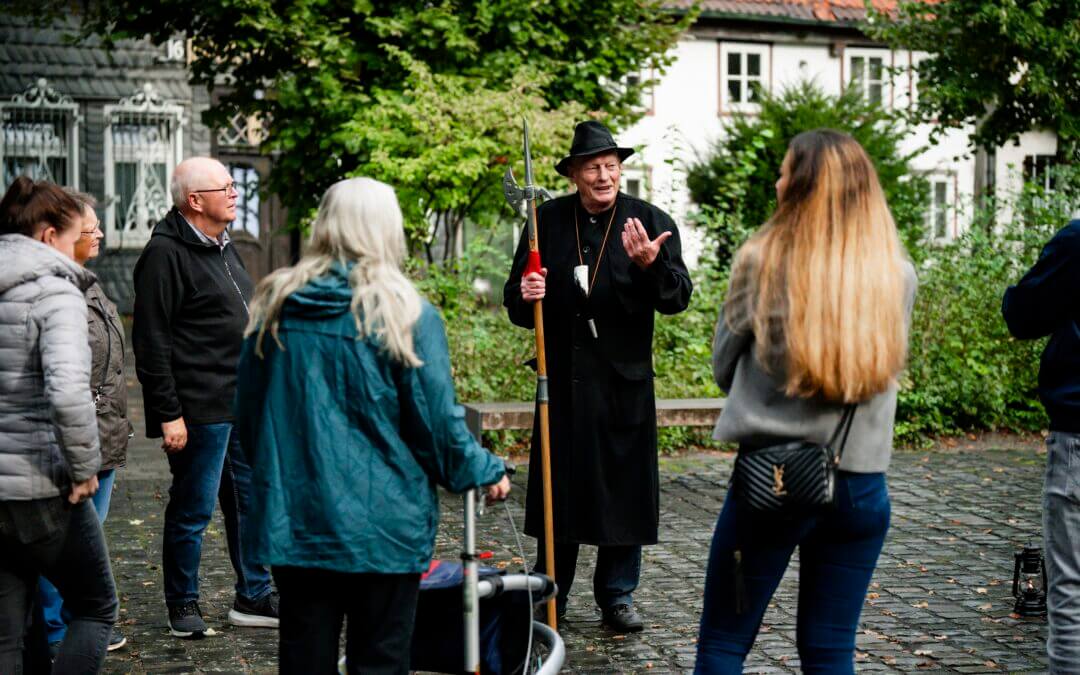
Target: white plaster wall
x,y
686,119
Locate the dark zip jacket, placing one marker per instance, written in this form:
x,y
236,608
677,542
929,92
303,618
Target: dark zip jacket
x,y
1047,302
190,312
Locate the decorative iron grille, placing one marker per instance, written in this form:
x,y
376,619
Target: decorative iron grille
x,y
40,136
143,143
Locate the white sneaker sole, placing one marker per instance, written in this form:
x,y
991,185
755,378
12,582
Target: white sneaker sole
x,y
191,635
252,620
113,646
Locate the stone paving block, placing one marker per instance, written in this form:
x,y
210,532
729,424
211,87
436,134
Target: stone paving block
x,y
955,527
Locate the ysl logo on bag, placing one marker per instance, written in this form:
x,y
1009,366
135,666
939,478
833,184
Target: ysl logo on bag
x,y
778,480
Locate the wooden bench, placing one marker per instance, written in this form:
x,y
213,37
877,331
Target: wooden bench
x,y
670,412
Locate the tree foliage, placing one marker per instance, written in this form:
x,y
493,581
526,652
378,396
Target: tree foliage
x,y
426,95
734,182
1006,66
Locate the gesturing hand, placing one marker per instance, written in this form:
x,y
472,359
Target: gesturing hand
x,y
636,242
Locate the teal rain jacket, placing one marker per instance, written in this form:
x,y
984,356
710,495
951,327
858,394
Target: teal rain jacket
x,y
346,445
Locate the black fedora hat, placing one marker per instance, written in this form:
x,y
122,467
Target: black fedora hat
x,y
591,138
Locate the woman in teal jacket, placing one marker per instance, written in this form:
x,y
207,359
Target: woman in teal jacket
x,y
345,406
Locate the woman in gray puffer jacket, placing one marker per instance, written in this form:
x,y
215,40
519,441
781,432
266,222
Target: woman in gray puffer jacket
x,y
109,389
49,448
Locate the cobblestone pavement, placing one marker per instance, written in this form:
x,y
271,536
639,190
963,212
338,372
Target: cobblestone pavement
x,y
940,599
939,602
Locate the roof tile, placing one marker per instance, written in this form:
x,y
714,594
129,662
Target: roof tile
x,y
826,11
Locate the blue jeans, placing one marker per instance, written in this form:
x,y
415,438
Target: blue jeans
x,y
52,605
64,541
212,467
838,551
1061,542
618,570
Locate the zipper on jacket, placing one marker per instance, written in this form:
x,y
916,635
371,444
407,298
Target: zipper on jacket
x,y
228,270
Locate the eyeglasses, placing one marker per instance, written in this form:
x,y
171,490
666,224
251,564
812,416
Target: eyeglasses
x,y
90,233
229,187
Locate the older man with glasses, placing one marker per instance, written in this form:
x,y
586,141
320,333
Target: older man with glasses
x,y
191,308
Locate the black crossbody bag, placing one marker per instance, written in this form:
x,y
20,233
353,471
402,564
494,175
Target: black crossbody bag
x,y
793,477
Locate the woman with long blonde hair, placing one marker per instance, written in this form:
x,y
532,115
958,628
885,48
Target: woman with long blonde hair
x,y
815,321
346,408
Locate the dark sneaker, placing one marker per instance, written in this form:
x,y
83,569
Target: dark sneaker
x,y
185,621
54,650
262,613
623,619
116,640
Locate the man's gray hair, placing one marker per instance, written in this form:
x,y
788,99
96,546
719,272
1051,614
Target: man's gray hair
x,y
187,177
180,188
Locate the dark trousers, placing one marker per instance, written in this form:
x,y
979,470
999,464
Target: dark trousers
x,y
381,610
64,542
212,467
618,570
838,551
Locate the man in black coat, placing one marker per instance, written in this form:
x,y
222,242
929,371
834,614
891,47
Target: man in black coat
x,y
611,261
191,295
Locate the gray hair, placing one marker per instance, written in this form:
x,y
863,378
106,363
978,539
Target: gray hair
x,y
359,221
85,199
186,174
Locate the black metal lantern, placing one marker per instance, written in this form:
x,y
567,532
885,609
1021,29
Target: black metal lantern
x,y
1029,582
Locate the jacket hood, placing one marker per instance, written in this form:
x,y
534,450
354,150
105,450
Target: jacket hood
x,y
26,260
175,226
324,297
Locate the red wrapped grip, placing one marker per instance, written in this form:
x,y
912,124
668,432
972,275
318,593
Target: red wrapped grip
x,y
533,265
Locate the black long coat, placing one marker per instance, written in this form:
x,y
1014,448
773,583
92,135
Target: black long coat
x,y
602,409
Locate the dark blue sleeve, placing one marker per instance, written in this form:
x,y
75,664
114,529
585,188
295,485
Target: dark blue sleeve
x,y
1047,295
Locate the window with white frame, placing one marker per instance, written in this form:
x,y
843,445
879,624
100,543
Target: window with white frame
x,y
744,75
635,181
868,75
143,143
939,212
246,179
1038,169
40,136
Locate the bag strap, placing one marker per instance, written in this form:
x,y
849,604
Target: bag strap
x,y
844,427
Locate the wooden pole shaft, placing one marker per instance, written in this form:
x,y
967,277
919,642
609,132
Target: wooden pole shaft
x,y
545,458
545,433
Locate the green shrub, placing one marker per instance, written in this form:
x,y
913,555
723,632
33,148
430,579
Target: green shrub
x,y
965,371
488,353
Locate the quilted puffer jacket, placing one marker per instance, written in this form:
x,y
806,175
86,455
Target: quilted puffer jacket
x,y
48,429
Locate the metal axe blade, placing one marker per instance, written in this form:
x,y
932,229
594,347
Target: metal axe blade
x,y
515,196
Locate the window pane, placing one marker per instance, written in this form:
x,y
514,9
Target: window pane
x,y
125,190
247,200
940,224
753,91
940,192
734,63
753,64
633,187
874,93
734,88
858,66
875,69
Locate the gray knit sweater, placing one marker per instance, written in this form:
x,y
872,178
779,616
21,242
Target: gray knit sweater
x,y
758,413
